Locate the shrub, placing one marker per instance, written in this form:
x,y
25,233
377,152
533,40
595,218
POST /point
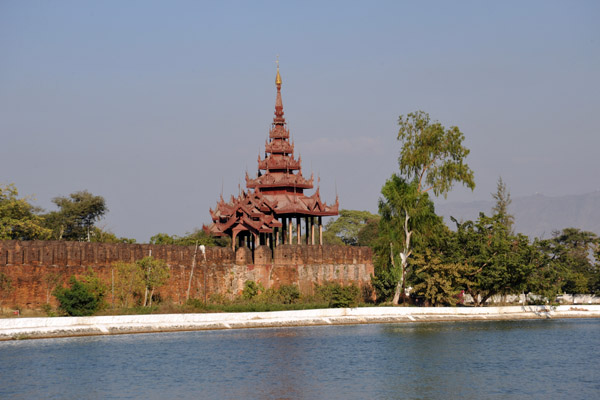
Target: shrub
x,y
195,304
288,294
79,299
338,296
47,308
251,290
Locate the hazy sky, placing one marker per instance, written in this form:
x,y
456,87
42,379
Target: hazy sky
x,y
157,106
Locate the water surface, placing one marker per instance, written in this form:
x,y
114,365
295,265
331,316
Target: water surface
x,y
545,359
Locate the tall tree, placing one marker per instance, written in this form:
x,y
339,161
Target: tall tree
x,y
19,220
503,201
76,216
369,233
499,262
432,155
349,224
570,255
402,208
155,273
432,159
439,282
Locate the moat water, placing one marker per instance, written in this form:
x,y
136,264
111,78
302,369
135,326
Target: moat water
x,y
541,359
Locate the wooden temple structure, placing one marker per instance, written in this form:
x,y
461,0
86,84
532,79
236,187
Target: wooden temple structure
x,y
274,207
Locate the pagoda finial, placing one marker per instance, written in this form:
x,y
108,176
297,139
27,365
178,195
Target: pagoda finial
x,y
278,103
278,77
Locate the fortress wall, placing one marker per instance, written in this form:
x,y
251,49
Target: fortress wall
x,y
35,268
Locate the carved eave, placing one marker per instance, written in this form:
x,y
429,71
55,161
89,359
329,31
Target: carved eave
x,y
279,131
283,181
279,147
283,163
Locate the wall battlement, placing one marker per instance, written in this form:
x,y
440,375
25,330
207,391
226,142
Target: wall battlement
x,y
35,268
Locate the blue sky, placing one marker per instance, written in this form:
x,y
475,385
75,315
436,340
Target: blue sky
x,y
158,105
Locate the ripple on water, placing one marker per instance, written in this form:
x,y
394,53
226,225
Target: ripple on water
x,y
470,360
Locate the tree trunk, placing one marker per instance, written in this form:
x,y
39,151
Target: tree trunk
x,y
396,298
401,286
187,295
151,295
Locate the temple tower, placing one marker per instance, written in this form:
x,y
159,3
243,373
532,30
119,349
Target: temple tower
x,y
273,209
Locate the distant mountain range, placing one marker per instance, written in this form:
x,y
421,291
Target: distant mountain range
x,y
537,215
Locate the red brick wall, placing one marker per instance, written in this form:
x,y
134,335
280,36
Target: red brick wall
x,y
30,267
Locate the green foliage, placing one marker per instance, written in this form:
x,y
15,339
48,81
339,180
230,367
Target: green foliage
x,y
190,239
401,199
568,258
545,279
338,296
255,292
383,281
94,283
81,298
501,263
349,224
76,216
503,201
128,284
432,155
439,283
288,294
431,159
102,236
19,220
251,290
47,308
5,285
369,233
331,239
595,281
154,274
162,238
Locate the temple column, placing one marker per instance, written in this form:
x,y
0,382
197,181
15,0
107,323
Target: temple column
x,y
321,231
276,234
290,230
312,230
307,230
283,230
305,220
298,233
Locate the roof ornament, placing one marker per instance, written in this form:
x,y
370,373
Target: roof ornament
x,y
278,77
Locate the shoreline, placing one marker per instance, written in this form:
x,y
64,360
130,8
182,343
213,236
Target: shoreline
x,y
54,327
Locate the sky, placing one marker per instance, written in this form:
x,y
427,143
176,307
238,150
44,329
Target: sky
x,y
159,106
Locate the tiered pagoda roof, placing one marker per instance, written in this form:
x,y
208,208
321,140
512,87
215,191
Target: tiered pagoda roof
x,y
278,188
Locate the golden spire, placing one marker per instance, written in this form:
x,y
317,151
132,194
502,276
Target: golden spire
x,y
278,77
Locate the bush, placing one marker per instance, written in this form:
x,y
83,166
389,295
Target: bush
x,y
338,296
79,299
288,294
251,290
47,308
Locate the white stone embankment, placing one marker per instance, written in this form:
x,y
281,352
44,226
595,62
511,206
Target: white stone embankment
x,y
30,328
